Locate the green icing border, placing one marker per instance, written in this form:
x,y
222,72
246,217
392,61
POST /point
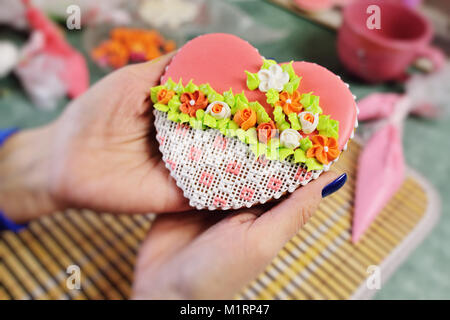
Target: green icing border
x,y
229,128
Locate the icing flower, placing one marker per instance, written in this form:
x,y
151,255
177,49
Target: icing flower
x,y
290,138
309,121
165,95
266,131
245,118
324,149
191,102
219,110
272,78
290,102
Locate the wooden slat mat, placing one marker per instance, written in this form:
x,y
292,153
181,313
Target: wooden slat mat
x,y
319,263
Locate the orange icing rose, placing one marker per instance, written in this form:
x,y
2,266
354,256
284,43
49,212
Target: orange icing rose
x,y
309,117
325,149
165,95
245,118
290,103
217,108
266,131
191,102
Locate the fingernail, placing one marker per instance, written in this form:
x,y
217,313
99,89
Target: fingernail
x,y
334,186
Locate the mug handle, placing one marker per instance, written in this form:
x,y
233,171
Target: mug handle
x,y
434,54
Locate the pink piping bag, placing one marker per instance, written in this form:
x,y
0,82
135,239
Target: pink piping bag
x,y
74,73
381,169
381,166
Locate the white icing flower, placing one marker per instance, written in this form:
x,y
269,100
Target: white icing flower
x,y
272,78
290,138
219,110
309,121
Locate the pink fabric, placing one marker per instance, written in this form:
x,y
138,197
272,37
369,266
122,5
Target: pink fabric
x,y
381,170
377,106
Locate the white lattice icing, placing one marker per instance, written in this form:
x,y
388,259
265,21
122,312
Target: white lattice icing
x,y
215,171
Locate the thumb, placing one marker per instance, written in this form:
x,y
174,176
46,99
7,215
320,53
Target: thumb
x,y
150,72
278,225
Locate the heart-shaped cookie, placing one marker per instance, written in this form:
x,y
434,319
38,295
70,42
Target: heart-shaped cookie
x,y
235,129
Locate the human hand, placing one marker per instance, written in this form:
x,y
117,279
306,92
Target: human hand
x,y
100,154
204,255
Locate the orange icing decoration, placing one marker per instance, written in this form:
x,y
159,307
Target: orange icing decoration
x,y
290,103
217,108
191,102
309,117
129,44
165,95
245,118
325,149
266,131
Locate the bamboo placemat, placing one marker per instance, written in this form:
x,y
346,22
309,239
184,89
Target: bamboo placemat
x,y
319,263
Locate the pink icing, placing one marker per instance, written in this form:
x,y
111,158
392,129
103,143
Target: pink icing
x,y
221,60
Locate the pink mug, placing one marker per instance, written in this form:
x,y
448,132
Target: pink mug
x,y
384,54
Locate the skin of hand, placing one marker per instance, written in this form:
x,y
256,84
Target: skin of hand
x,y
204,255
101,154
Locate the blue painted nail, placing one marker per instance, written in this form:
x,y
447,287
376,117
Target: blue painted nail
x,y
334,186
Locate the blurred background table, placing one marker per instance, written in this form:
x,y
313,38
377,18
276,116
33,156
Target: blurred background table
x,y
425,273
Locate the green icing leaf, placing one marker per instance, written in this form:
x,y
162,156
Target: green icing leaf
x,y
289,69
154,93
170,84
278,114
173,116
285,152
305,144
267,63
261,115
206,89
283,125
299,156
313,164
252,80
293,119
179,89
273,143
311,103
228,96
241,96
233,125
259,149
240,134
251,137
223,123
190,87
174,103
209,120
161,107
241,104
292,85
328,127
214,96
272,96
196,124
199,114
184,117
